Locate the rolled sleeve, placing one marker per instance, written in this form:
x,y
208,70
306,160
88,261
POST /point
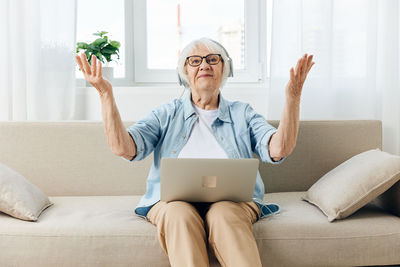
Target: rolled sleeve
x,y
146,135
264,150
260,134
134,134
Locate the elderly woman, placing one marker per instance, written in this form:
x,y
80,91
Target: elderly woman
x,y
203,124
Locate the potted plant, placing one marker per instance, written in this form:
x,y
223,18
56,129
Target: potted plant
x,y
103,49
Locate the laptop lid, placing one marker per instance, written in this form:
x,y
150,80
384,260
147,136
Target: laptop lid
x,y
208,180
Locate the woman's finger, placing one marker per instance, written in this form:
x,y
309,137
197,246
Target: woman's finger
x,y
302,65
292,74
309,60
99,72
296,69
93,67
78,60
309,68
86,66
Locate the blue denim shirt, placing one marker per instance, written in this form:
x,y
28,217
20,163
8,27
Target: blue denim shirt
x,y
165,130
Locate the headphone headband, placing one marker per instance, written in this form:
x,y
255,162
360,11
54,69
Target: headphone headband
x,y
230,74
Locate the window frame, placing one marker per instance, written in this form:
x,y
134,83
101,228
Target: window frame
x,y
137,74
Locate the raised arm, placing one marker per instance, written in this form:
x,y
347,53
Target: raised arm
x,y
118,138
284,140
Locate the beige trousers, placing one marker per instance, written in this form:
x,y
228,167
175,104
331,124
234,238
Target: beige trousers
x,y
183,228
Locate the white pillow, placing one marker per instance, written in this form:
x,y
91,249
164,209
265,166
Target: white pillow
x,y
354,183
19,197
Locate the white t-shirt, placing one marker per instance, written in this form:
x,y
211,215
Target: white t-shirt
x,y
202,142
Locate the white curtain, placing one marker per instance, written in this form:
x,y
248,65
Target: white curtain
x,y
37,41
356,46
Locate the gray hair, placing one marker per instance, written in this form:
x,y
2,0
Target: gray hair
x,y
211,46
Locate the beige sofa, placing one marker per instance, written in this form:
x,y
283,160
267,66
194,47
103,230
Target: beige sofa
x,y
95,192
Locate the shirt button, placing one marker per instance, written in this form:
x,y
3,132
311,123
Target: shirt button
x,y
183,136
173,151
221,138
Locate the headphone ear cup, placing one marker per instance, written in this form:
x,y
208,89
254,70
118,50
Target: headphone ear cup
x,y
230,74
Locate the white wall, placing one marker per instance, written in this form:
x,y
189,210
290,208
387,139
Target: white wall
x,y
135,102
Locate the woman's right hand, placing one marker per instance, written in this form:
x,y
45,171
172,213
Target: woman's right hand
x,y
93,74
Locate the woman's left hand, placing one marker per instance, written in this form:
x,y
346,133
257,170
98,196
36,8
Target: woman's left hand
x,y
298,77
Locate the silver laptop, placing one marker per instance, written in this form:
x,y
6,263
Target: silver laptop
x,y
208,180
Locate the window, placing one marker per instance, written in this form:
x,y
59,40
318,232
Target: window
x,y
153,32
184,21
93,16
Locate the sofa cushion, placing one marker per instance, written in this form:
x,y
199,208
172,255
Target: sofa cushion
x,y
82,231
354,183
102,230
19,197
370,236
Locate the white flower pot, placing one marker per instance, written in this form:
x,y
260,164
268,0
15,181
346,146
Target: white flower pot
x,y
108,74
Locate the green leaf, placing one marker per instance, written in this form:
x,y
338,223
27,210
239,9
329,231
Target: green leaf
x,y
88,56
115,44
109,49
100,33
93,49
99,56
108,57
81,45
99,42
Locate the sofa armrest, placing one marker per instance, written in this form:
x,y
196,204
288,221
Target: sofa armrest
x,y
390,200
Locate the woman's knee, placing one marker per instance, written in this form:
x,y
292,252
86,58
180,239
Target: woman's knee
x,y
227,212
181,212
222,210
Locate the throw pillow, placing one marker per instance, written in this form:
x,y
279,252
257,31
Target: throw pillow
x,y
19,197
354,183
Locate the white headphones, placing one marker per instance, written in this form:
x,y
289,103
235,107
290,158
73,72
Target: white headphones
x,y
229,62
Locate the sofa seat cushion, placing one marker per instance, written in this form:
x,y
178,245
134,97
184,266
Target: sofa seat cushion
x,y
369,236
103,231
82,231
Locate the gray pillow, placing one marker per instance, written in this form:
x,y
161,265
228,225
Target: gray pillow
x,y
19,197
354,183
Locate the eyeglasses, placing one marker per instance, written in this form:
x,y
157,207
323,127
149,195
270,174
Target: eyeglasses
x,y
212,59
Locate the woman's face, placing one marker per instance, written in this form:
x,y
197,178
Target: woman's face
x,y
204,77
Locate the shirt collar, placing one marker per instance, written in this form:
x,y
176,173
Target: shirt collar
x,y
223,108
